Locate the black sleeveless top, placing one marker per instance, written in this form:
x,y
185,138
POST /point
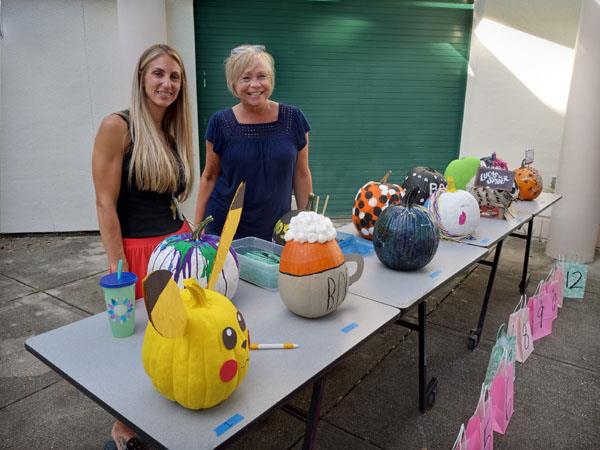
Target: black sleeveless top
x,y
145,213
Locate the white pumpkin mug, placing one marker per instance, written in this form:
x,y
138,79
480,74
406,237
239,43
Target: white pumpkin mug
x,y
318,294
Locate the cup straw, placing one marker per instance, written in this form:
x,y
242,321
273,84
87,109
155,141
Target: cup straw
x,y
119,269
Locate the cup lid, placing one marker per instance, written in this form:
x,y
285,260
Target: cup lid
x,y
110,280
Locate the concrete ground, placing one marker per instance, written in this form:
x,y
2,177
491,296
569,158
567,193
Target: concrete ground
x,y
370,397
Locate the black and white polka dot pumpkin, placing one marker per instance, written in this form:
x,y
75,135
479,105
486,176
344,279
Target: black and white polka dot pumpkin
x,y
425,180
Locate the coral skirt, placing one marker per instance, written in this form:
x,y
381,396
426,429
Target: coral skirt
x,y
138,252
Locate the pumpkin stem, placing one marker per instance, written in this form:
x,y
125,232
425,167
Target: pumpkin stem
x,y
410,197
200,227
451,187
385,177
523,163
197,292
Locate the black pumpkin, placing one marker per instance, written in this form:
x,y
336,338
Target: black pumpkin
x,y
425,181
281,226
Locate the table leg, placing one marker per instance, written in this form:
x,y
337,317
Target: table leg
x,y
312,422
525,276
427,390
475,333
427,393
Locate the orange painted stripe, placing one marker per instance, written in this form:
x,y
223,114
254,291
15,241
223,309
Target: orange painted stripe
x,y
303,258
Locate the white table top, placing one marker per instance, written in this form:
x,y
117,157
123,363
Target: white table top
x,y
535,207
109,370
491,231
403,289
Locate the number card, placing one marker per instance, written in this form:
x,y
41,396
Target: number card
x,y
529,153
574,277
480,427
540,315
502,393
498,179
519,326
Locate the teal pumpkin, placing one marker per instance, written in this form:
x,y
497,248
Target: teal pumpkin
x,y
406,237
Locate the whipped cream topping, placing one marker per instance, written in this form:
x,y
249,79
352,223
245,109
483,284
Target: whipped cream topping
x,y
308,226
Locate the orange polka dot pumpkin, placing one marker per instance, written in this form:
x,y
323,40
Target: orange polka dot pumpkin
x,y
529,181
370,201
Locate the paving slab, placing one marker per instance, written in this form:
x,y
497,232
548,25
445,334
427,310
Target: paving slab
x,y
22,374
50,261
352,370
85,294
575,331
331,437
383,409
276,431
59,417
11,289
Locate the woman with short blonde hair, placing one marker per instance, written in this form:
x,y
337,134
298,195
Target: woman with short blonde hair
x,y
258,140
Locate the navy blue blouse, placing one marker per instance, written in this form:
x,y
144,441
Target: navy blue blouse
x,y
264,155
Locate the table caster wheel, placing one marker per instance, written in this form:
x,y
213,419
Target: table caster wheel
x,y
431,393
473,341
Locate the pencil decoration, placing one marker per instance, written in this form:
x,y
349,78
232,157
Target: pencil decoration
x,y
282,346
231,223
317,204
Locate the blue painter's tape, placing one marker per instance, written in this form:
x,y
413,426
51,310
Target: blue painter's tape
x,y
435,274
349,328
229,423
485,241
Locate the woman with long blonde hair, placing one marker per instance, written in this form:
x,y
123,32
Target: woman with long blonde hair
x,y
142,166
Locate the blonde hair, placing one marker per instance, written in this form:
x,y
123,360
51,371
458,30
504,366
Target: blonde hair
x,y
241,58
153,164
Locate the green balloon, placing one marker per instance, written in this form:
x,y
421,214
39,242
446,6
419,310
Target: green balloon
x,y
462,170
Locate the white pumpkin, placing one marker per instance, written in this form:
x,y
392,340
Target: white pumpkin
x,y
189,255
455,211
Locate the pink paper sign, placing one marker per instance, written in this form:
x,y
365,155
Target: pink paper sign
x,y
502,395
540,315
520,327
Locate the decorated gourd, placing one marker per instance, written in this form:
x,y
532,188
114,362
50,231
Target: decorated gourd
x,y
282,225
462,170
371,200
529,182
313,277
192,255
406,237
196,345
455,211
494,162
425,181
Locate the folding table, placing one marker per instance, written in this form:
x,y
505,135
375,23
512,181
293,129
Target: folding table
x,y
403,290
493,232
109,370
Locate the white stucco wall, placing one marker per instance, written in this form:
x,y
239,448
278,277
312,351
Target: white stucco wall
x,y
520,66
59,76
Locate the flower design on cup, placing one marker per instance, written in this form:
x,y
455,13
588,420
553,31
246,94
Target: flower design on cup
x,y
120,311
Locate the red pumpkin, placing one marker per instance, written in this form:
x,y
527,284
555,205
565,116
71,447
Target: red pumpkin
x,y
529,181
371,200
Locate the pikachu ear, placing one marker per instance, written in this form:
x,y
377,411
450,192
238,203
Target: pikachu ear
x,y
164,304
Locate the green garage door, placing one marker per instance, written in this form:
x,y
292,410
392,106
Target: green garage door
x,y
381,82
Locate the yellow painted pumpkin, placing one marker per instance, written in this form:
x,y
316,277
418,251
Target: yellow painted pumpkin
x,y
196,345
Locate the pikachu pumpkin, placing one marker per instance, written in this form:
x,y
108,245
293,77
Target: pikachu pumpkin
x,y
196,346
